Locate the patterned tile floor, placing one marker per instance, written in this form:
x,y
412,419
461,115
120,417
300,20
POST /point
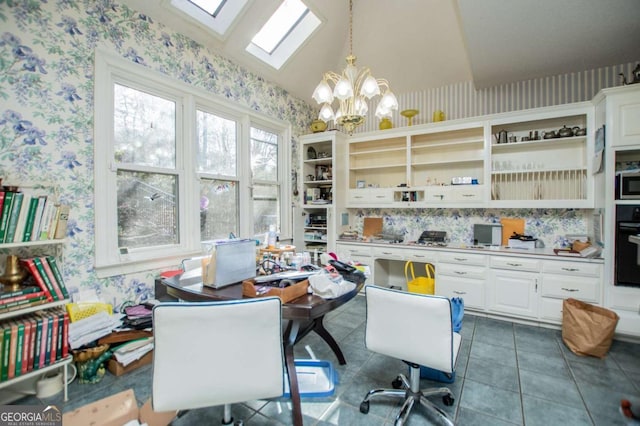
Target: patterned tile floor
x,y
507,374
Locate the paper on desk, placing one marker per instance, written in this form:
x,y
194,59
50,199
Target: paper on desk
x,y
92,328
134,350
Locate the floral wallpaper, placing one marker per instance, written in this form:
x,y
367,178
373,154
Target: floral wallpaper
x,y
46,113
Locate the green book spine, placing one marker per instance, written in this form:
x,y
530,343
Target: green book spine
x,y
31,215
60,334
21,292
38,344
14,306
6,343
47,354
19,349
45,277
13,217
56,272
2,326
6,211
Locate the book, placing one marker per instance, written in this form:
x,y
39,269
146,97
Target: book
x,y
60,334
54,337
31,214
21,297
31,343
6,211
53,263
52,278
47,353
65,333
61,222
1,201
6,339
22,218
37,350
43,274
30,265
37,220
22,304
13,345
24,290
44,339
13,217
49,212
19,348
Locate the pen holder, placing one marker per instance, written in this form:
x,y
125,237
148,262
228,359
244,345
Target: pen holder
x,y
286,294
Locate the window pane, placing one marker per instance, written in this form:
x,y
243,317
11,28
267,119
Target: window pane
x,y
144,128
264,155
217,144
265,208
147,211
218,209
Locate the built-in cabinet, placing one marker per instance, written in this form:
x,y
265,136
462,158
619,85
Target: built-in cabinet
x,y
505,160
617,112
499,284
316,220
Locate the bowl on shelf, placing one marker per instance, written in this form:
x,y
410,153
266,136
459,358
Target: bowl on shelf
x,y
409,114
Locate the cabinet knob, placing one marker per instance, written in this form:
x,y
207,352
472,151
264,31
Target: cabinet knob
x,y
460,272
570,269
514,264
459,292
570,289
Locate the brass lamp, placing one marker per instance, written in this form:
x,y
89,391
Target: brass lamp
x,y
13,275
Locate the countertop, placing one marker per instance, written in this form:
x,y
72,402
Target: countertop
x,y
476,249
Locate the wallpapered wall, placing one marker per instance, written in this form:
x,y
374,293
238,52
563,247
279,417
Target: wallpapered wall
x,y
46,113
46,119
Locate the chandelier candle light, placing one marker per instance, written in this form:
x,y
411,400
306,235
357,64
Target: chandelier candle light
x,y
353,88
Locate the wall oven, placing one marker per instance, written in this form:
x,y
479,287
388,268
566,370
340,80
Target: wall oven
x,y
627,270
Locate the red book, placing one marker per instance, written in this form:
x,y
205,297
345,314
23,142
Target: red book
x,y
54,337
52,278
31,267
25,345
22,297
43,340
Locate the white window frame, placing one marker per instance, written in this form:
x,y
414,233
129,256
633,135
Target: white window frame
x,y
109,260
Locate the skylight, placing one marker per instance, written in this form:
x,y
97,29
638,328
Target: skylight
x,y
215,15
284,32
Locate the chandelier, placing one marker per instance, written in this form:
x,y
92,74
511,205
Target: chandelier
x,y
352,88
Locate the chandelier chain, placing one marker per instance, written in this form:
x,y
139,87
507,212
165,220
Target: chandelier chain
x,y
351,27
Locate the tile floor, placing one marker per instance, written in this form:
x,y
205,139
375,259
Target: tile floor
x,y
507,374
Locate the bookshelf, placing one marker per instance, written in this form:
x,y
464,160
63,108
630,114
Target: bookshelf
x,y
34,238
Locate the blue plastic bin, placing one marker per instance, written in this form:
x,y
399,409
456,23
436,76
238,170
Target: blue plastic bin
x,y
316,378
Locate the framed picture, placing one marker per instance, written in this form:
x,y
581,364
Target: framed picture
x,y
361,184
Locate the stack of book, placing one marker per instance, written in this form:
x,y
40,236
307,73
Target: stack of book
x,y
28,216
33,341
45,276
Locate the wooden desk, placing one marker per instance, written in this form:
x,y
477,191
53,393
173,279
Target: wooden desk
x,y
303,315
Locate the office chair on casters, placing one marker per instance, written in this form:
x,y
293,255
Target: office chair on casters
x,y
417,329
216,353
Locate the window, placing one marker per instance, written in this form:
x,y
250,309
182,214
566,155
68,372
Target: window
x,y
174,169
285,31
215,16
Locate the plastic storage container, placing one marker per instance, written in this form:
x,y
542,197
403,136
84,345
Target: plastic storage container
x,y
316,378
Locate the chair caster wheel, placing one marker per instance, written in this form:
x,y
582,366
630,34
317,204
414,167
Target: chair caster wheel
x,y
364,407
448,400
397,383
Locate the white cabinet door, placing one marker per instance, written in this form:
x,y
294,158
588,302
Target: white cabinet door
x,y
513,292
625,110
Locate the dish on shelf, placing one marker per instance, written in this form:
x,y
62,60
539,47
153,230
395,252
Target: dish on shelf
x,y
311,153
319,202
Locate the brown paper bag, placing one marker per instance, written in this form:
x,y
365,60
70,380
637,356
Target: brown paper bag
x,y
587,329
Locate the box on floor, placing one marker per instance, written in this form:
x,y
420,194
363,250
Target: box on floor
x,y
117,410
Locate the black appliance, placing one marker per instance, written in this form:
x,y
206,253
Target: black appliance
x,y
628,185
433,238
627,270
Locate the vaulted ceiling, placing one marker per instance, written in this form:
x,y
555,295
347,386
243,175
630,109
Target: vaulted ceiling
x,y
423,44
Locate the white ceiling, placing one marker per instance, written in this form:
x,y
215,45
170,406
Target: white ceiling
x,y
423,44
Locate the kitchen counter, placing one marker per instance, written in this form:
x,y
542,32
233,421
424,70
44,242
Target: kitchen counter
x,y
545,252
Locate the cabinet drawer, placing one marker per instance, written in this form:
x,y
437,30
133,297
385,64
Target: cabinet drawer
x,y
515,263
388,253
468,193
551,309
462,271
345,251
463,258
563,287
471,291
572,268
370,196
424,256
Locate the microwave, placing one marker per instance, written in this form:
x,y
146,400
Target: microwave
x,y
628,185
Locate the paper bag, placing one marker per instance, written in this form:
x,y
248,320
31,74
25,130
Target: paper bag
x,y
587,329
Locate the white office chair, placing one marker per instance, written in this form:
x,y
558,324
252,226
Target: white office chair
x,y
417,329
217,353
